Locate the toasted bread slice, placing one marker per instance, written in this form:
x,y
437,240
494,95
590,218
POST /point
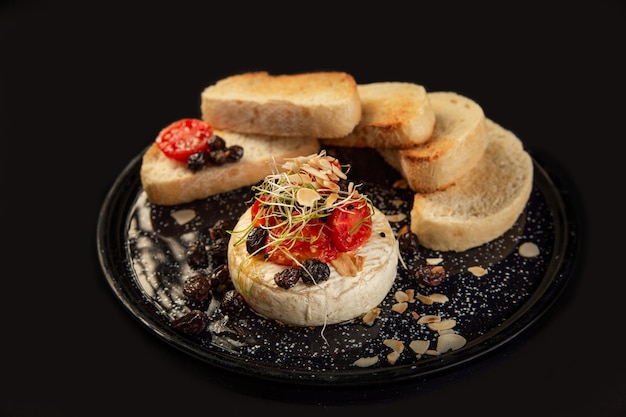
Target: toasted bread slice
x,y
319,104
483,204
168,182
394,115
455,146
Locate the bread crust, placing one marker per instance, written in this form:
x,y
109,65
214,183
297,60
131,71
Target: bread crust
x,y
169,182
319,104
456,145
335,300
483,204
394,115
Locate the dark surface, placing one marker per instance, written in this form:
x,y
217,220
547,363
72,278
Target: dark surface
x,y
84,88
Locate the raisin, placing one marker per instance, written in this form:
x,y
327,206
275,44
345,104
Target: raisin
x,y
197,288
197,256
313,271
232,302
191,323
216,143
234,153
219,281
287,278
217,157
197,160
218,230
431,275
256,240
408,243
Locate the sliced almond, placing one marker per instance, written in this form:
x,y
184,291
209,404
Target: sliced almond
x,y
394,344
477,271
451,341
439,298
396,218
365,362
371,316
307,196
392,357
424,299
528,250
419,346
399,307
428,318
183,216
330,200
442,325
434,261
401,296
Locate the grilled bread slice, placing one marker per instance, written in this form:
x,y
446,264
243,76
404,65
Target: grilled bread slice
x,y
454,148
483,204
395,115
168,182
321,104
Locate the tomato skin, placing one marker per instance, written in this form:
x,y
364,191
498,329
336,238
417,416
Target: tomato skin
x,y
183,138
350,226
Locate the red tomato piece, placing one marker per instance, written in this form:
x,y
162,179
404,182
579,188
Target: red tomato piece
x,y
313,242
350,226
183,138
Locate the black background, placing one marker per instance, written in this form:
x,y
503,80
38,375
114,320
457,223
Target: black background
x,y
85,87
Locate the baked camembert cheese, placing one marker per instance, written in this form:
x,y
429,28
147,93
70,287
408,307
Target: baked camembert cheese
x,y
312,250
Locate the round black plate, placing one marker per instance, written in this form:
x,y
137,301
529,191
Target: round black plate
x,y
142,251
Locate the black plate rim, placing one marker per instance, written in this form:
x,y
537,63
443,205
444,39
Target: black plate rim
x,y
115,266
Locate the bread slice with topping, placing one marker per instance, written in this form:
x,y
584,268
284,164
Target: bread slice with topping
x,y
483,204
394,115
321,104
167,181
455,146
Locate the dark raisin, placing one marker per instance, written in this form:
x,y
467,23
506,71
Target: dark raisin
x,y
314,271
287,278
232,302
191,323
197,160
408,243
234,153
219,281
197,288
256,240
216,143
217,157
219,249
197,255
430,275
218,230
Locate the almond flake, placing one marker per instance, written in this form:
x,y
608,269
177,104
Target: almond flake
x,y
365,362
394,344
307,196
396,218
528,250
451,341
183,216
434,261
442,325
429,318
424,299
401,296
399,307
419,346
477,271
392,358
371,316
438,298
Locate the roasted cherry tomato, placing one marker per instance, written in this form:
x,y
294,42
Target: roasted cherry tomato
x,y
350,226
183,138
313,241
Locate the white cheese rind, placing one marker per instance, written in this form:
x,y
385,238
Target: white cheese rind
x,y
338,299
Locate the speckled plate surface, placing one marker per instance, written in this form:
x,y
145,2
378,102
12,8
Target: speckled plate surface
x,y
142,250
